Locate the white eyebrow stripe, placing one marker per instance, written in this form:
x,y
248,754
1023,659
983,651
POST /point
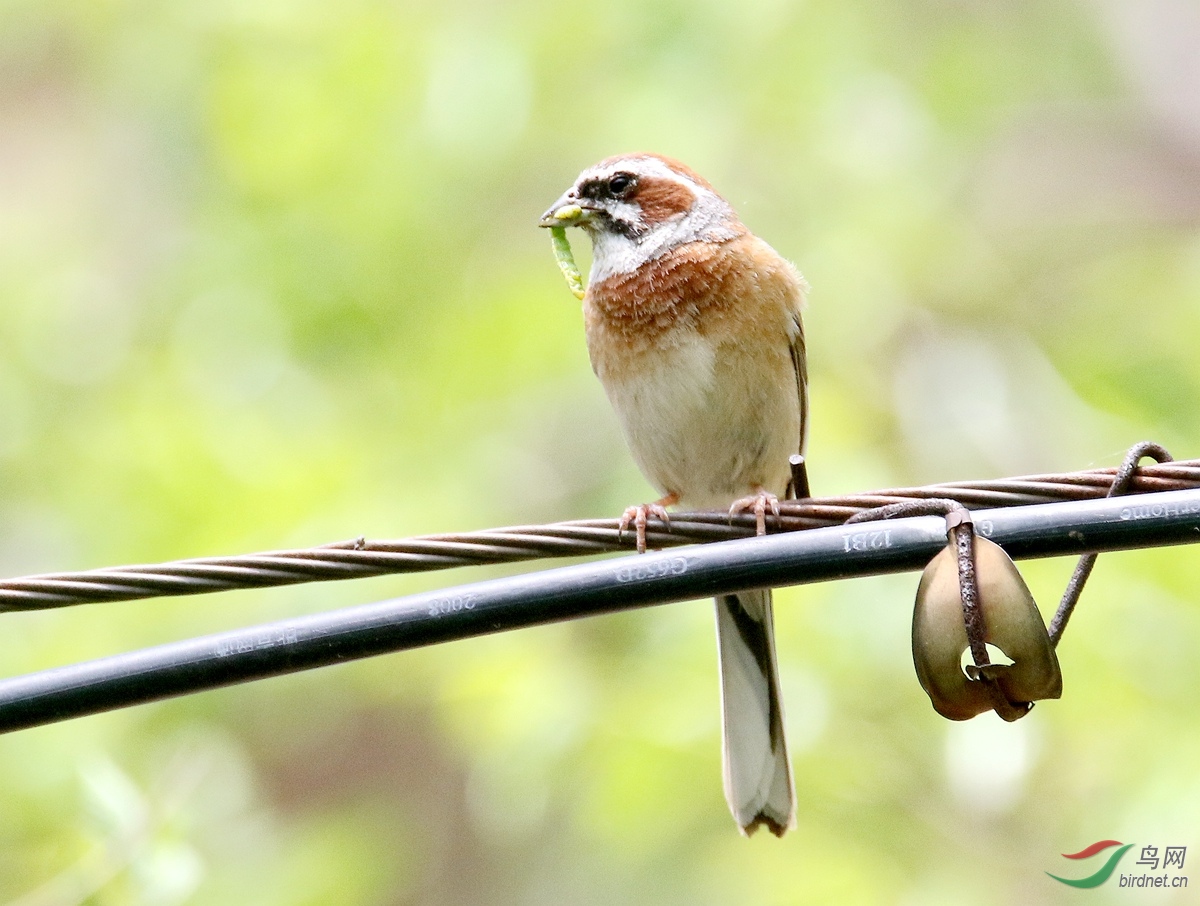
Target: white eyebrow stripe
x,y
641,166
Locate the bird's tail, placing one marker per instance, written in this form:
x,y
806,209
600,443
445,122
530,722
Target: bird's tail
x,y
758,777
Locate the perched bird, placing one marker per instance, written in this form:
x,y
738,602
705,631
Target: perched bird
x,y
693,327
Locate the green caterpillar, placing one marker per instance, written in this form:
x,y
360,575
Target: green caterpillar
x,y
566,261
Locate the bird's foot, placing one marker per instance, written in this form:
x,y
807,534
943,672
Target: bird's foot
x,y
758,503
640,513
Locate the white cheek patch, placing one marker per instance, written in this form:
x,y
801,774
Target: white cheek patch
x,y
628,212
710,219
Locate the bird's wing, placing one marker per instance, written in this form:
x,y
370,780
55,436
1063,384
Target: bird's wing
x,y
800,367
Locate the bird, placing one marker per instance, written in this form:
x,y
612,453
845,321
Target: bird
x,y
693,326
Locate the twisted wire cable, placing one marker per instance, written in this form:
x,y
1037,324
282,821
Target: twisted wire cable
x,y
359,558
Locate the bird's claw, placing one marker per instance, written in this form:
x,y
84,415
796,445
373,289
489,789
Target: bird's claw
x,y
758,503
638,516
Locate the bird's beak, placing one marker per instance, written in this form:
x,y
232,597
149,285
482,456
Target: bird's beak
x,y
565,212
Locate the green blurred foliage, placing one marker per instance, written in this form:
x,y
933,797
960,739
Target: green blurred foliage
x,y
270,277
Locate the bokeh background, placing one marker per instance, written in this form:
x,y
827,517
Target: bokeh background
x,y
270,277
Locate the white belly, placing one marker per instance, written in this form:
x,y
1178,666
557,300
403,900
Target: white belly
x,y
709,423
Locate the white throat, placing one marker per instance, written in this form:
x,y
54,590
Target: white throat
x,y
614,254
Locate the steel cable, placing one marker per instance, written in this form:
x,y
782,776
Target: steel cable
x,y
538,597
359,558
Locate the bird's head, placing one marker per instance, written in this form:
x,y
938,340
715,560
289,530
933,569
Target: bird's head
x,y
636,207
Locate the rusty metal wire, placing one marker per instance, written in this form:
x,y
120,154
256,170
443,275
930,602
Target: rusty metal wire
x,y
359,558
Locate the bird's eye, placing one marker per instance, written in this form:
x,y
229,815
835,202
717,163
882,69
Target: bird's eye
x,y
620,184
